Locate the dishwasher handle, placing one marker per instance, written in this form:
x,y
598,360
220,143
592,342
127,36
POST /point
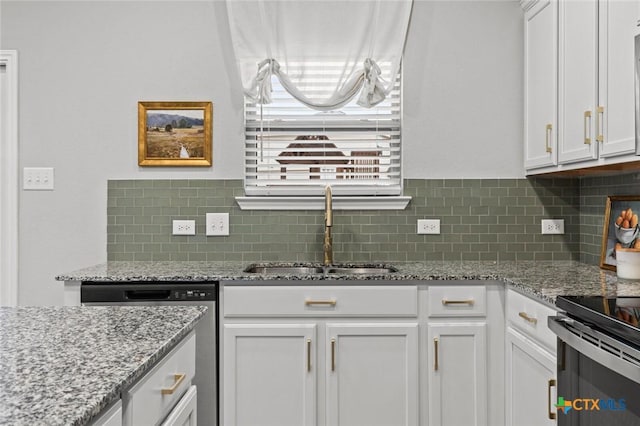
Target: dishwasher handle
x,y
142,295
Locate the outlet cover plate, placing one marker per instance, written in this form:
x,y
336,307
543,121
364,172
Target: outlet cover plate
x,y
552,226
217,224
184,227
429,226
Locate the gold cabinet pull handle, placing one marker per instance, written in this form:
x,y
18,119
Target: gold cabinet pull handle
x,y
178,378
527,317
469,302
435,353
333,354
587,127
310,302
308,354
551,384
547,142
600,124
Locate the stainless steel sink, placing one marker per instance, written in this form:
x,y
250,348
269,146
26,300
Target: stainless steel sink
x,y
360,270
285,270
305,270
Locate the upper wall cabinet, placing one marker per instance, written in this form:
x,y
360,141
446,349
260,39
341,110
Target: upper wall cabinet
x,y
593,101
541,83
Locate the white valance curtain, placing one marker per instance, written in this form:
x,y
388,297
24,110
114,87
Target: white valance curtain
x,y
290,39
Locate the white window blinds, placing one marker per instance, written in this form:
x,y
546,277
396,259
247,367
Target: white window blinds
x,y
291,149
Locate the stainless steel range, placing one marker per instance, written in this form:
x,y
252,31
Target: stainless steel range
x,y
598,361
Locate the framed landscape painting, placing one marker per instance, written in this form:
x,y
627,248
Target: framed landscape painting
x,y
175,133
621,228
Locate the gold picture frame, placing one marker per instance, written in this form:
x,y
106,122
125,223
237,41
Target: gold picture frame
x,y
175,133
625,233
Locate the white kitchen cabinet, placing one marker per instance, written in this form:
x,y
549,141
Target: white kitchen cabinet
x,y
372,374
616,69
457,364
530,382
185,411
458,373
530,362
111,417
578,80
541,91
156,395
595,90
319,355
270,374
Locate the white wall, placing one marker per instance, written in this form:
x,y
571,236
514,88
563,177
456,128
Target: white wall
x,y
85,65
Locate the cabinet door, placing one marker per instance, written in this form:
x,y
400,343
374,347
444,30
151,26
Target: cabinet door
x,y
372,374
112,417
457,374
185,412
269,374
541,51
578,85
616,91
530,397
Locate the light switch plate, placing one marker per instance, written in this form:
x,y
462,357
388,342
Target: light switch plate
x,y
37,178
217,224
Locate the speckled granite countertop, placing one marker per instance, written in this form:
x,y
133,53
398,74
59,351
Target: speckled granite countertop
x,y
543,280
64,365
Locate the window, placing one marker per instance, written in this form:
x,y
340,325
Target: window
x,y
291,149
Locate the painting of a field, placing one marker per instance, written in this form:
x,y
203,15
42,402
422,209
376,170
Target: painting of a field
x,y
175,136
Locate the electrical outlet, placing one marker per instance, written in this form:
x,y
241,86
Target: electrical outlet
x,y
553,226
428,226
217,224
184,227
37,178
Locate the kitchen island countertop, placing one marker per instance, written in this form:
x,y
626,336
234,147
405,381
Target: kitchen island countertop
x,y
544,280
65,365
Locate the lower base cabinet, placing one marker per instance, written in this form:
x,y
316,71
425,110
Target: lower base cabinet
x,y
111,417
367,374
530,378
164,395
185,411
458,374
270,374
372,374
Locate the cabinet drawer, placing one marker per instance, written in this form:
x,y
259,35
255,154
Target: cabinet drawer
x,y
159,390
329,301
530,317
457,301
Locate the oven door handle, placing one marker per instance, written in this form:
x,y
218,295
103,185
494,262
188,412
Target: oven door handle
x,y
608,358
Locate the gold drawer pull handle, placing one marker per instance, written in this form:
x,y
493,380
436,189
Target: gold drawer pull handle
x,y
310,302
333,354
469,302
587,127
435,352
308,354
548,134
178,379
528,318
552,415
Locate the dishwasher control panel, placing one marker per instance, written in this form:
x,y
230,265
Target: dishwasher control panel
x,y
193,294
108,292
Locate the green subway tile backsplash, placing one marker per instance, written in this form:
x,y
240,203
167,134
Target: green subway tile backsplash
x,y
481,219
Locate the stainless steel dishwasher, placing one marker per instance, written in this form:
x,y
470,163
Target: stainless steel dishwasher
x,y
150,293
